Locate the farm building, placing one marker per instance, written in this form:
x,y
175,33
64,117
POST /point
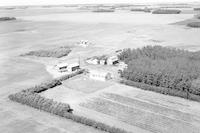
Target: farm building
x,y
92,61
99,75
112,60
66,67
84,43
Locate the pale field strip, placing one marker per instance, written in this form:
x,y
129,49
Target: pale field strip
x,y
137,117
155,109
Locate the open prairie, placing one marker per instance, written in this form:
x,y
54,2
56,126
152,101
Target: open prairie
x,y
136,110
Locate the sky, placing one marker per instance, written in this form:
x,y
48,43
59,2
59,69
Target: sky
x,y
57,2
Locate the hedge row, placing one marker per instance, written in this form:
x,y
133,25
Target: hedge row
x,y
162,90
36,101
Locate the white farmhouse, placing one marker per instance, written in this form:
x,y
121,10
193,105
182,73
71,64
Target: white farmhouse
x,y
112,60
99,75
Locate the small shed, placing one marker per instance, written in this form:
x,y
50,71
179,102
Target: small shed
x,y
99,75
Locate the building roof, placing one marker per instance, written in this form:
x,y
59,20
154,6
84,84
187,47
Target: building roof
x,y
64,64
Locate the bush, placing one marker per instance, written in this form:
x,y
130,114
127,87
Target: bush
x,y
166,11
162,90
194,24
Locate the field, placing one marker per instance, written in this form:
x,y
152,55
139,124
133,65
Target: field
x,y
39,28
127,107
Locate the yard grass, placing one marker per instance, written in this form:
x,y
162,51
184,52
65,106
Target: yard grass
x,y
139,117
86,85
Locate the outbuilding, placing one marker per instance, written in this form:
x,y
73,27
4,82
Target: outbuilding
x,y
99,75
112,60
66,67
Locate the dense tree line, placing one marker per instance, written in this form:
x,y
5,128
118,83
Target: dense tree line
x,y
163,67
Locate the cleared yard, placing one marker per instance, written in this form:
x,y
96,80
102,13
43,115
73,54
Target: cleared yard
x,y
84,84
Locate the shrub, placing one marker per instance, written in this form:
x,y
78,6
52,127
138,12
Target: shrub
x,y
166,11
194,24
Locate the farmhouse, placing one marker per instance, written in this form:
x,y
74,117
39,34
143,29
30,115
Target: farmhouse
x,y
66,67
99,75
112,60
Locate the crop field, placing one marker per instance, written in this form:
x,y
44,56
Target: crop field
x,y
139,117
137,112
